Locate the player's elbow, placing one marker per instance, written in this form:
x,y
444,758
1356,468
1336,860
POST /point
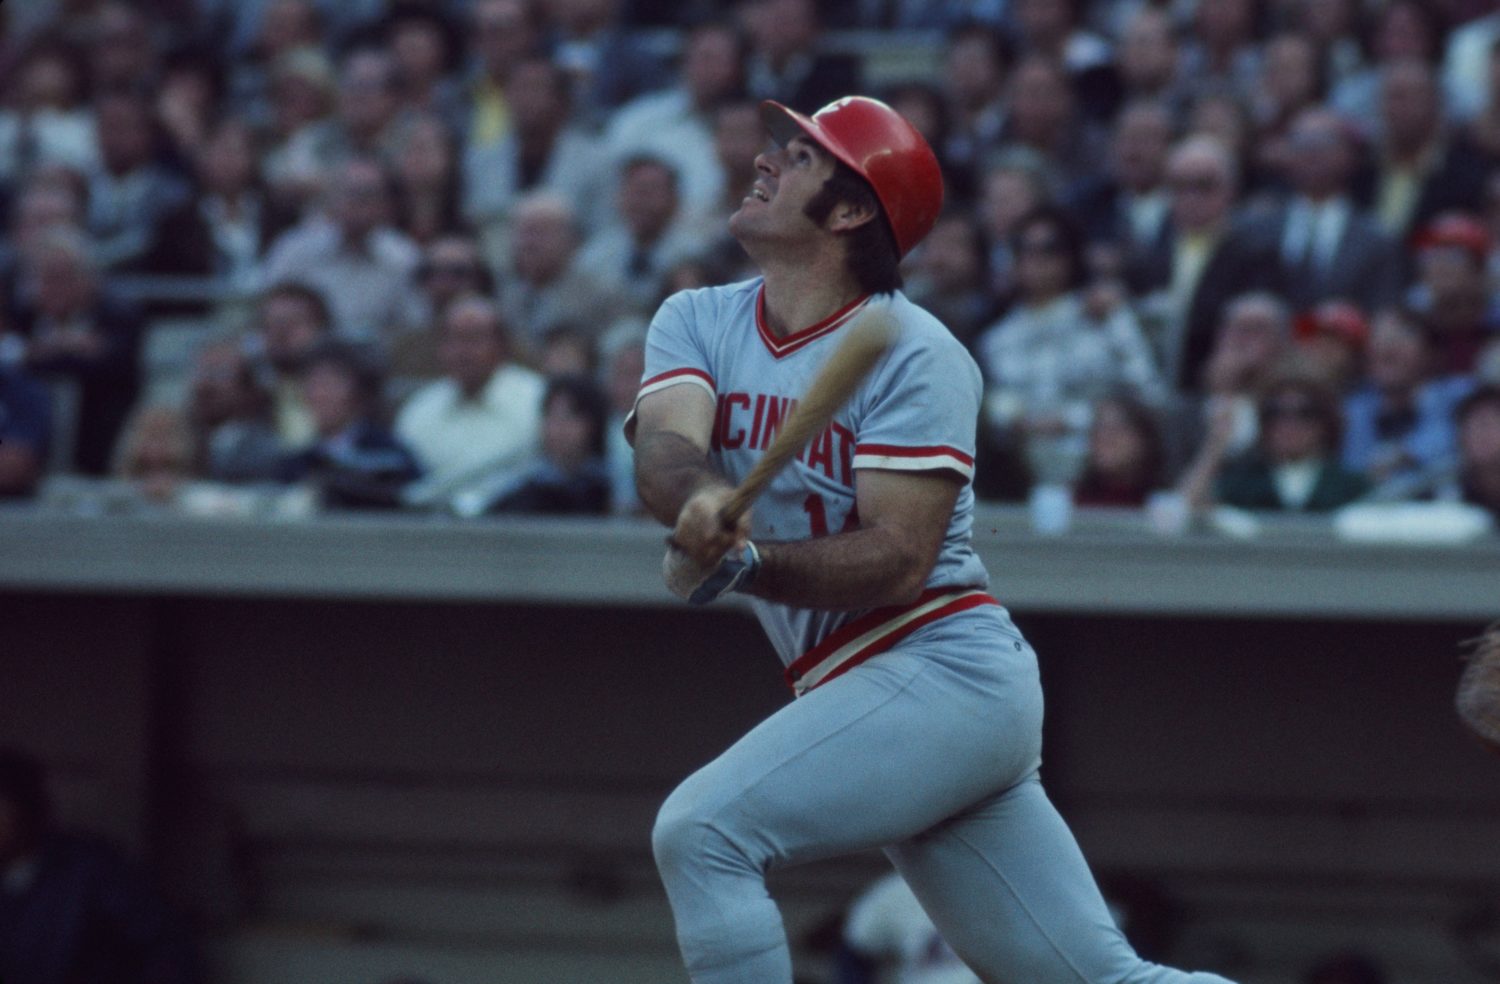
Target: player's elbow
x,y
908,567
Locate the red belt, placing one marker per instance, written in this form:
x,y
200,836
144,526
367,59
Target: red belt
x,y
874,632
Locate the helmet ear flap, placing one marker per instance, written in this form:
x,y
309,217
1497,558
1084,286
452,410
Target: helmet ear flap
x,y
882,148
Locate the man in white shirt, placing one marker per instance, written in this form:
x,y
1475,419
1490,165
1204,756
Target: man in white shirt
x,y
483,416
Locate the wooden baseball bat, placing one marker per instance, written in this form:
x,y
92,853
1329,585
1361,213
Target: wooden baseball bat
x,y
866,341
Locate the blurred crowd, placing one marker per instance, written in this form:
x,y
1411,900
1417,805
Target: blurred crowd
x,y
1243,250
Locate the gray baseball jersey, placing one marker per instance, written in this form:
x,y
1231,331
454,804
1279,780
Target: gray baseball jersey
x,y
917,728
915,412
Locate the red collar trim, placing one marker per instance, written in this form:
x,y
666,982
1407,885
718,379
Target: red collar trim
x,y
779,347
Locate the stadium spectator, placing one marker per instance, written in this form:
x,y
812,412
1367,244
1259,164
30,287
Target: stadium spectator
x,y
285,26
1013,185
132,190
1251,339
543,149
155,453
351,255
72,908
452,266
949,276
1422,166
1044,119
366,106
123,56
292,321
1328,246
1291,84
482,416
1396,31
787,61
1056,352
569,477
1333,28
1482,132
1124,210
229,411
1295,464
676,124
47,119
606,64
1400,426
25,429
502,34
1148,59
623,354
188,104
1478,478
631,257
1052,29
1126,458
301,100
1333,336
428,201
49,200
1206,258
225,229
547,286
424,45
73,332
973,82
1221,50
1452,291
567,350
353,461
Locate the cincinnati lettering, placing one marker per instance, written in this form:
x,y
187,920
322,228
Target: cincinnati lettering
x,y
751,422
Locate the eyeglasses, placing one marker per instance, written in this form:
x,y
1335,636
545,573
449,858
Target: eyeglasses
x,y
1293,410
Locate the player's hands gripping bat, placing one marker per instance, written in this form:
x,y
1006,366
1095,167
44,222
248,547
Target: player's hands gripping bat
x,y
700,581
1478,697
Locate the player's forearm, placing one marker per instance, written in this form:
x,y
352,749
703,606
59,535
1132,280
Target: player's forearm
x,y
865,568
668,470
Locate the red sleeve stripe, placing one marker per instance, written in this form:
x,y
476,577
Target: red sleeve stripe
x,y
899,451
674,375
675,378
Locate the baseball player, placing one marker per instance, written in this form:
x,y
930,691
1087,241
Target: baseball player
x,y
917,722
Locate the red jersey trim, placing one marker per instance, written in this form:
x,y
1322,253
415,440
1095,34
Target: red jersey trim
x,y
898,458
661,381
875,632
788,344
672,374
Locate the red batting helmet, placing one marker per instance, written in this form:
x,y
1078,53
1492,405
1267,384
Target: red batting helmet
x,y
881,147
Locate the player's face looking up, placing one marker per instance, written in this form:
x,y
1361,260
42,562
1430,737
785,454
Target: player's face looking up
x,y
786,179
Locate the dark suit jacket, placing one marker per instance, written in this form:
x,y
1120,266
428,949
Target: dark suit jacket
x,y
107,382
1246,482
1455,184
184,244
368,474
1099,206
1365,268
1242,261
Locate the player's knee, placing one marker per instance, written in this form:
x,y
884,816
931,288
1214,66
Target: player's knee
x,y
686,836
678,832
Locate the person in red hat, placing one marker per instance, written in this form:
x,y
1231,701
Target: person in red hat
x,y
1334,336
1452,292
916,723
